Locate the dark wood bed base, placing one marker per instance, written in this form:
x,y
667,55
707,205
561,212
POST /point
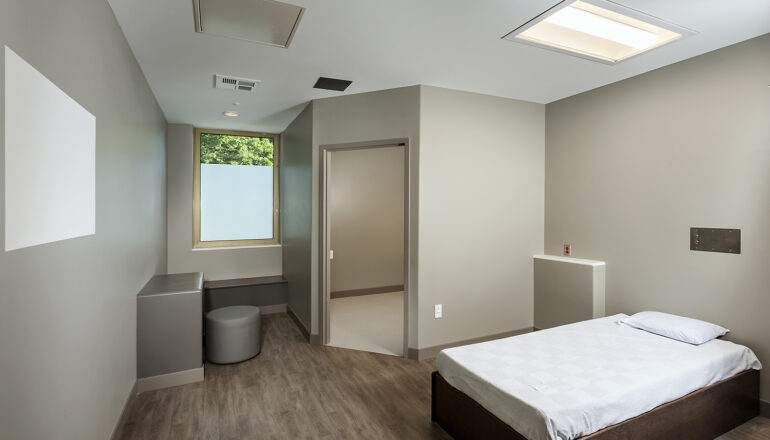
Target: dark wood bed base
x,y
701,415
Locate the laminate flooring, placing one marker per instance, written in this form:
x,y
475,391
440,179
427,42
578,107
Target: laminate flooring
x,y
294,390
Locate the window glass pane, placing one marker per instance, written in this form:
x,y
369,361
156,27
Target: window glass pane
x,y
236,187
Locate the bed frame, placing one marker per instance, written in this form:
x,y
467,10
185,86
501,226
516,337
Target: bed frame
x,y
701,415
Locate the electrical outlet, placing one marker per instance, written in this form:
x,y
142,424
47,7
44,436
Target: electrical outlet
x,y
567,250
438,311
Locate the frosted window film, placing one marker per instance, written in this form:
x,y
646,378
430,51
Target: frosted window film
x,y
236,202
50,143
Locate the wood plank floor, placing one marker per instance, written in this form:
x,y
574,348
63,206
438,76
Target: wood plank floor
x,y
294,390
756,429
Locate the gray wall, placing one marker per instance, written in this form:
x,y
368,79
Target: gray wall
x,y
483,177
215,263
387,114
68,309
630,167
481,213
567,290
296,202
366,218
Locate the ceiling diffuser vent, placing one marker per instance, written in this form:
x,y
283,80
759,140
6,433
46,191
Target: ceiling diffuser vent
x,y
338,85
260,21
234,83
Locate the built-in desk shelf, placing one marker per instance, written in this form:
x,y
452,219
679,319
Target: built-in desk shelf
x,y
268,293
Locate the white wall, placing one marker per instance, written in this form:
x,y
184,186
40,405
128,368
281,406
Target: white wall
x,y
630,167
481,213
215,263
366,218
484,172
387,114
68,309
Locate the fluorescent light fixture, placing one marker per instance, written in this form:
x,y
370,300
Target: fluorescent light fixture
x,y
589,23
598,30
231,114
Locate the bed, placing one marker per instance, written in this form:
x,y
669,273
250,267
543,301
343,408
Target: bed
x,y
596,379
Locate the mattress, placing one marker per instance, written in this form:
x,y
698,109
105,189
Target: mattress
x,y
573,380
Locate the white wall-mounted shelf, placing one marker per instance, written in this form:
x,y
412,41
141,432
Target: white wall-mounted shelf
x,y
570,260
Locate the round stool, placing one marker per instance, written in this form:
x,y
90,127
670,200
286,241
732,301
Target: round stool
x,y
232,334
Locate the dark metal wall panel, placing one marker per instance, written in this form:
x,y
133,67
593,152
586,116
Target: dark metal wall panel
x,y
715,240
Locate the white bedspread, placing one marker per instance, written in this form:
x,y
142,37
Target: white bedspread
x,y
573,380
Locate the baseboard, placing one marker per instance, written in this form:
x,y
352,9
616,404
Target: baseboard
x,y
369,291
275,308
298,322
764,408
315,339
169,380
431,352
117,432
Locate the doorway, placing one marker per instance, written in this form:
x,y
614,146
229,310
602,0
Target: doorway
x,y
364,231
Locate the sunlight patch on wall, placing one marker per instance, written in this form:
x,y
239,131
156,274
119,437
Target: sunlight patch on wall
x,y
50,145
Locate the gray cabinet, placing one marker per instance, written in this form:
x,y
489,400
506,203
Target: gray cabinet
x,y
169,331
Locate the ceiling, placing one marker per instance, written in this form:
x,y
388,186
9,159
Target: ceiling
x,y
379,44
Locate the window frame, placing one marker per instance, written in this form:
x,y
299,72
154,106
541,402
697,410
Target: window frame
x,y
197,243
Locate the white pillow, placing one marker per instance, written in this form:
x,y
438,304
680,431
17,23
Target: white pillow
x,y
676,327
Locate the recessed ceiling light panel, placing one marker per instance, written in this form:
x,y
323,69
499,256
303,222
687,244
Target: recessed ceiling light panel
x,y
598,30
260,21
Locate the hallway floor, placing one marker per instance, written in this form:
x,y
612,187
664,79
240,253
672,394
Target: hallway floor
x,y
372,323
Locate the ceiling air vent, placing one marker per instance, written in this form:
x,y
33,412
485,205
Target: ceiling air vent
x,y
234,83
338,85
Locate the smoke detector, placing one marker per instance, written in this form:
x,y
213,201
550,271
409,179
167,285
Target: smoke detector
x,y
235,83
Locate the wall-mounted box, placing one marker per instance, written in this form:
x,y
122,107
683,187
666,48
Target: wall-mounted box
x,y
715,240
169,331
567,290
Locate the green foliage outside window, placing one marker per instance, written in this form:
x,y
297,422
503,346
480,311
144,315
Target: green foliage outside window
x,y
236,150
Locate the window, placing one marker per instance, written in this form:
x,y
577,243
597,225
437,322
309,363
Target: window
x,y
235,189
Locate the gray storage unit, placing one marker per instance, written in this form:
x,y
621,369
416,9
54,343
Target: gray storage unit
x,y
169,331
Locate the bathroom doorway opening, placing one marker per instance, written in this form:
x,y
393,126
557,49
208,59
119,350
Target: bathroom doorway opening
x,y
364,229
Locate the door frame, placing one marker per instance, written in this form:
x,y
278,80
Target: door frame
x,y
324,275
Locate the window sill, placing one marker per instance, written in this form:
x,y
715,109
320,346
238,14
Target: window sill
x,y
225,248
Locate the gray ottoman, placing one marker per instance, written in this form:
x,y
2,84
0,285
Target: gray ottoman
x,y
232,334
